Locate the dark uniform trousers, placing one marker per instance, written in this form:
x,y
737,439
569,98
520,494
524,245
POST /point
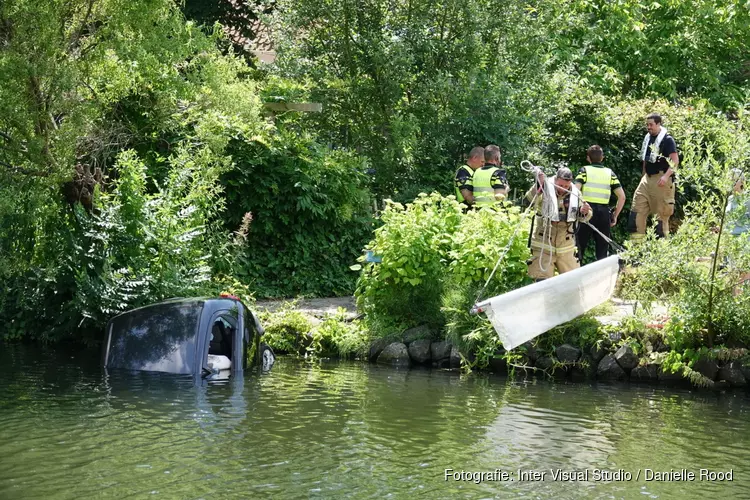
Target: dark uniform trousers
x,y
600,220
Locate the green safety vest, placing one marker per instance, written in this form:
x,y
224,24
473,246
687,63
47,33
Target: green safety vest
x,y
484,193
459,196
597,188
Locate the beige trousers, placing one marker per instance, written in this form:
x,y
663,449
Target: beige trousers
x,y
650,199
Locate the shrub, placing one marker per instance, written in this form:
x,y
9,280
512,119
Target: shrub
x,y
435,260
583,332
477,244
135,248
414,243
311,215
676,271
338,337
286,329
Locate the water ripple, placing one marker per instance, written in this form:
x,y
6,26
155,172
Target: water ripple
x,y
326,430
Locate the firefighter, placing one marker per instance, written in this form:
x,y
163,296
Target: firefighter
x,y
553,242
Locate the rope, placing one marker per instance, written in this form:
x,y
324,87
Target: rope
x,y
547,224
505,251
616,246
546,233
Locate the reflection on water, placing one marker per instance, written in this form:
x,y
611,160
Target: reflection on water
x,y
68,430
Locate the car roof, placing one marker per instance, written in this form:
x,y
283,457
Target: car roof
x,y
180,300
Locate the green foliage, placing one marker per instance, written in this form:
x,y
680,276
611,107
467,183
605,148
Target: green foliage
x,y
583,332
672,363
151,102
338,337
142,97
415,85
477,244
134,249
435,260
311,215
286,329
414,242
669,48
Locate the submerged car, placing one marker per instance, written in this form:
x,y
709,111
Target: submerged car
x,y
204,337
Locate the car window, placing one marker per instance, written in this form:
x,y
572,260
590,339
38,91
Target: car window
x,y
223,330
157,338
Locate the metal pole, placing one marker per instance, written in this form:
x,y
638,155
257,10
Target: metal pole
x,y
713,274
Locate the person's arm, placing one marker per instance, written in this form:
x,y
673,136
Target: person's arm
x,y
531,192
506,185
465,185
672,161
499,184
537,188
584,211
620,193
468,196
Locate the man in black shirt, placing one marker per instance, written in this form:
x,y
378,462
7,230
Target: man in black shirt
x,y
655,192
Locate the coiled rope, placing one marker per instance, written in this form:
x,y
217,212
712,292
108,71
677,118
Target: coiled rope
x,y
548,211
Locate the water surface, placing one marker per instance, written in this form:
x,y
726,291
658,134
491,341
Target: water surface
x,y
336,430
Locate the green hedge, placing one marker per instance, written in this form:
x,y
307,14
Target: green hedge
x,y
311,215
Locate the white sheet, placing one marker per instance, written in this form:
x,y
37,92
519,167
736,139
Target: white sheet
x,y
520,315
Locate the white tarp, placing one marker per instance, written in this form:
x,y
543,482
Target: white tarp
x,y
523,314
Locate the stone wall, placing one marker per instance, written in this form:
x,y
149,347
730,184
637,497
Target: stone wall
x,y
415,348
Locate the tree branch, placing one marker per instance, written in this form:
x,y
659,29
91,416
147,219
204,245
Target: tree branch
x,y
20,170
77,34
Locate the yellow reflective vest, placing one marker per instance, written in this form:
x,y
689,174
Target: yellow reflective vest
x,y
598,186
459,196
484,193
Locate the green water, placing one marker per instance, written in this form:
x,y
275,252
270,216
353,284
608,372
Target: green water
x,y
350,430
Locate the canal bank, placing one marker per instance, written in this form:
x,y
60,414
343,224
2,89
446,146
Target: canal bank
x,y
612,358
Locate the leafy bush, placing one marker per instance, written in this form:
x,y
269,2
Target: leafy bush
x,y
414,243
435,260
583,332
338,337
477,244
311,215
134,249
286,329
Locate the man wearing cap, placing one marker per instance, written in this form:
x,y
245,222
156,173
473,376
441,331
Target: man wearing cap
x,y
463,179
597,183
655,192
559,206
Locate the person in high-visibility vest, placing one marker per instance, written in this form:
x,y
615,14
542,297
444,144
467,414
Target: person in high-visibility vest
x,y
553,244
597,183
489,183
463,179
